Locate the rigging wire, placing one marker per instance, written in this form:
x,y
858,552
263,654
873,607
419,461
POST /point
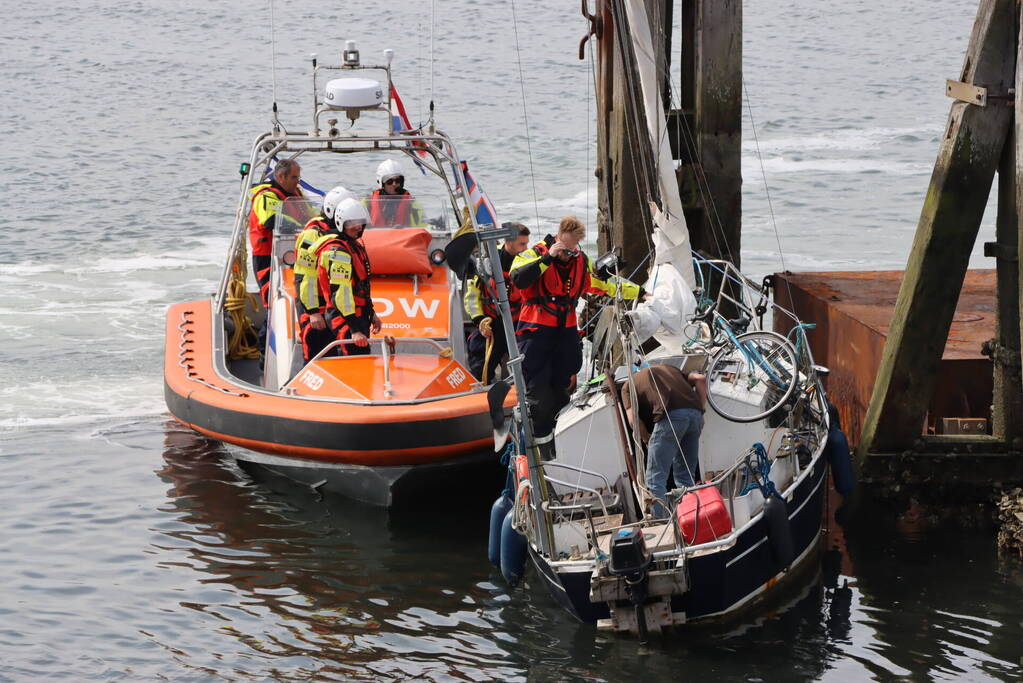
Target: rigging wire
x,y
433,23
685,134
767,190
419,65
586,140
763,171
273,59
525,115
591,146
640,180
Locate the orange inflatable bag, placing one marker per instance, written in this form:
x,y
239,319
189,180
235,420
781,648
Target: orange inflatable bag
x,y
398,251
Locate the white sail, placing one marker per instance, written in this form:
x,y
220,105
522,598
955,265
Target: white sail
x,y
672,280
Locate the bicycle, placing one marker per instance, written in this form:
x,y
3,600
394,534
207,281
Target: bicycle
x,y
751,375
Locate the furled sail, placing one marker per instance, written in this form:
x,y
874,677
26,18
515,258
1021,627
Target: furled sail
x,y
672,280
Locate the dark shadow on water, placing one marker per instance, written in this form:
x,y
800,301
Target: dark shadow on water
x,y
339,589
324,570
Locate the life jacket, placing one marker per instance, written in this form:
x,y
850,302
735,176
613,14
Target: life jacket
x,y
318,231
552,299
490,298
344,278
389,210
263,209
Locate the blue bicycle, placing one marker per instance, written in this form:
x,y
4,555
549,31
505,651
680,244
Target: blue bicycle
x,y
750,375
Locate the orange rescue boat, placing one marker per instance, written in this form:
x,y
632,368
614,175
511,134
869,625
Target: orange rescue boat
x,y
376,427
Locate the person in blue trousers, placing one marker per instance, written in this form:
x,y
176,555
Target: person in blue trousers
x,y
666,406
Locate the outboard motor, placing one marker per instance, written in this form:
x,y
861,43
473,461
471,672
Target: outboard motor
x,y
630,559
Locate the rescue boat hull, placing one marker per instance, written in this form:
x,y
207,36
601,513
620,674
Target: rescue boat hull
x,y
400,485
366,451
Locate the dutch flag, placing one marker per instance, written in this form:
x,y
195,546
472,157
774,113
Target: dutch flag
x,y
481,203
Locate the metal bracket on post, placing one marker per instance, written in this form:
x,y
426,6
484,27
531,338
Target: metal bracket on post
x,y
1000,251
966,92
976,94
489,233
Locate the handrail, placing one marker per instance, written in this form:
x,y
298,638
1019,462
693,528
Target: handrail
x,y
378,340
595,492
576,468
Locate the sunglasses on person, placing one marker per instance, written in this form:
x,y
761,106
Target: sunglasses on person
x,y
395,181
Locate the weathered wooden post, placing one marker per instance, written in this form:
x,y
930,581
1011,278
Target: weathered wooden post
x,y
708,128
1003,349
970,153
623,215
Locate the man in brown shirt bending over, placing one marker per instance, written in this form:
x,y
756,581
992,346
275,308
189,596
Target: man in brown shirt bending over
x,y
670,417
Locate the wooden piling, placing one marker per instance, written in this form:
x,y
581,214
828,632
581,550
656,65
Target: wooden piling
x,y
710,177
1003,349
624,216
969,155
1008,378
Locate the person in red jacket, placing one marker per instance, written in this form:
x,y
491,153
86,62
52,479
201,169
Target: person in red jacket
x,y
266,199
391,205
551,277
320,229
343,276
481,304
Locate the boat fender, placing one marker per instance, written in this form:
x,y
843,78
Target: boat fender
x,y
498,511
779,532
513,551
836,450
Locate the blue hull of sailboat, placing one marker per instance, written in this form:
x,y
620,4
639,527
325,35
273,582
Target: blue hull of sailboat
x,y
720,583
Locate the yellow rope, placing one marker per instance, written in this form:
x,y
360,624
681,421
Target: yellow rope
x,y
486,325
240,345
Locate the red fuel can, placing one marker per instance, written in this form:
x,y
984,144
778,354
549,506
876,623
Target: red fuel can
x,y
702,516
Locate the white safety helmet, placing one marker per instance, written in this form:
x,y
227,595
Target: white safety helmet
x,y
388,169
350,209
333,198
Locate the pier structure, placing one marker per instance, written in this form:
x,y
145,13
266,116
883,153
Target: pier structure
x,y
925,372
983,138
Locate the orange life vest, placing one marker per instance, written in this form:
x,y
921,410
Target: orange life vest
x,y
261,237
360,276
489,299
552,299
389,210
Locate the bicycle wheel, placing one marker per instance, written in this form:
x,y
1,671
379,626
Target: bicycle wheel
x,y
752,377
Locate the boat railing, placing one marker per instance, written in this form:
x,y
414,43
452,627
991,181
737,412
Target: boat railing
x,y
385,341
596,494
682,547
439,149
387,345
585,507
576,468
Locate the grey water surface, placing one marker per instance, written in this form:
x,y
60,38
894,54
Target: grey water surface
x,y
133,549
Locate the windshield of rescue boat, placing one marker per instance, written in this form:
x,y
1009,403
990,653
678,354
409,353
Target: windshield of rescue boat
x,y
406,211
411,292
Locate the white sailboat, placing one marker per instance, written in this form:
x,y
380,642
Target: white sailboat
x,y
584,517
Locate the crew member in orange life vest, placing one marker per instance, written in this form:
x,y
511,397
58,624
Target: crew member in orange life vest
x,y
390,205
482,306
266,198
552,276
343,276
320,230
